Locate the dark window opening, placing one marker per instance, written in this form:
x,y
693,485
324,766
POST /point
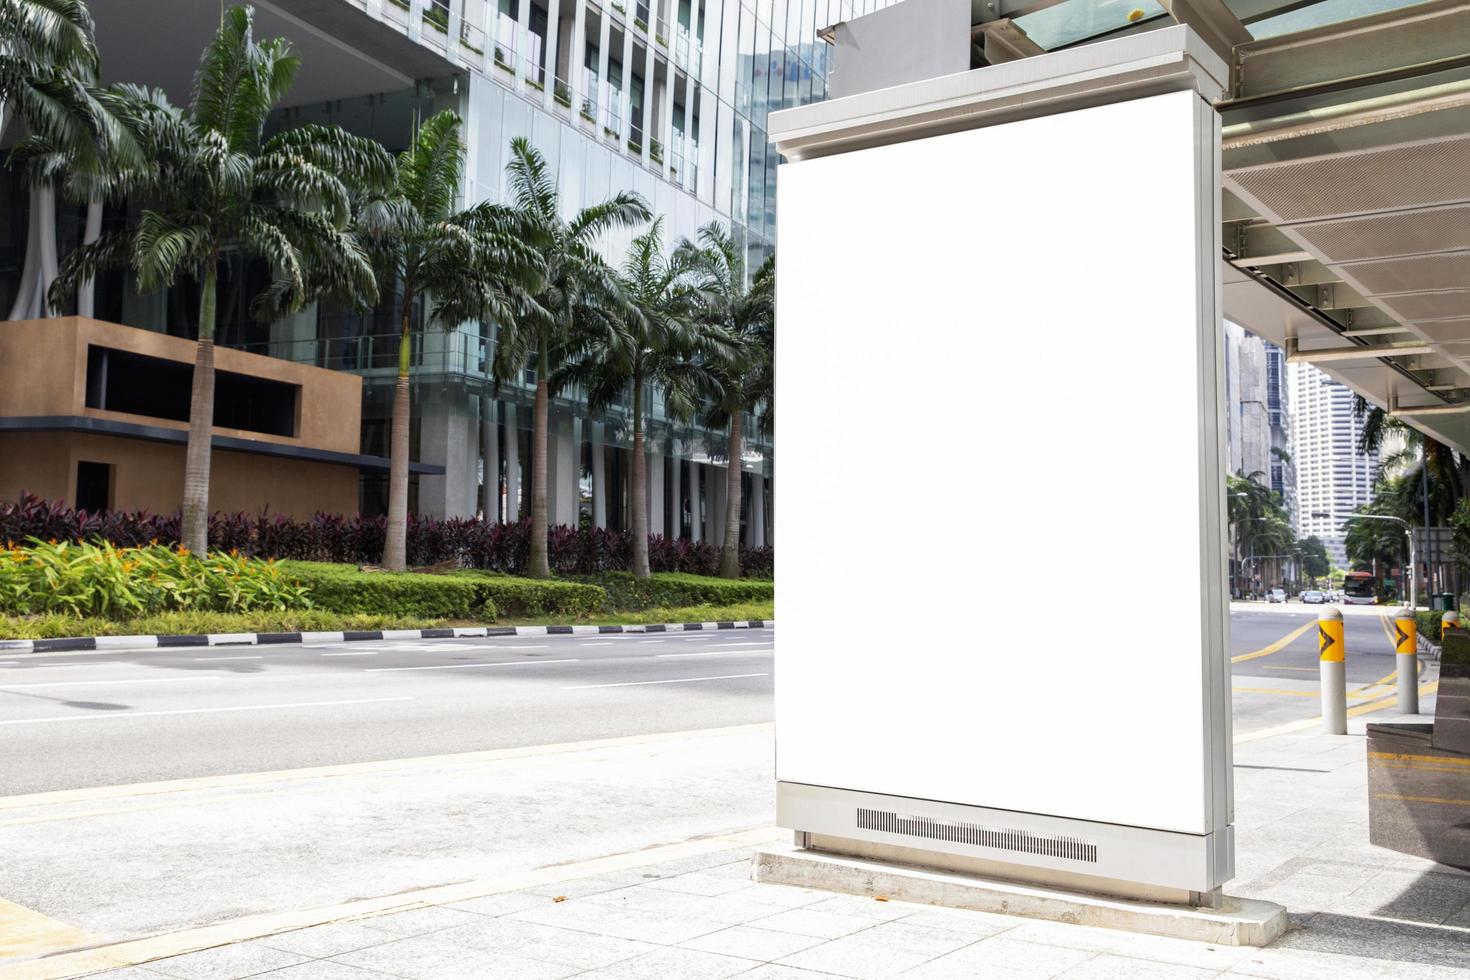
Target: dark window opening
x,y
94,487
123,381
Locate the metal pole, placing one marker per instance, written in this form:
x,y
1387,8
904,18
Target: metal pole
x,y
1333,671
1428,548
1406,628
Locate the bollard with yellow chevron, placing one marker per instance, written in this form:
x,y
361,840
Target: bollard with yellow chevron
x,y
1406,645
1332,651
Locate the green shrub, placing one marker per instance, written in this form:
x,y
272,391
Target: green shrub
x,y
674,589
522,598
55,625
1456,648
99,579
346,589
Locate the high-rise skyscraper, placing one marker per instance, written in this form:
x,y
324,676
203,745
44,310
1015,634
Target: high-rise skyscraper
x,y
1332,477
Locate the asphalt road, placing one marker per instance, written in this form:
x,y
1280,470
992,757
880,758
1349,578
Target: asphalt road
x,y
116,717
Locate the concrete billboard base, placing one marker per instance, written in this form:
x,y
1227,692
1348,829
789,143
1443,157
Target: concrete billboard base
x,y
1235,922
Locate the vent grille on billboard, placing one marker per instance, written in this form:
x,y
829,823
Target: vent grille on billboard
x,y
1404,233
959,832
1392,178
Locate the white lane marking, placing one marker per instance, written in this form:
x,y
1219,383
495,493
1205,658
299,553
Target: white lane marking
x,y
715,653
211,659
195,711
9,663
650,641
677,680
504,663
94,663
134,680
353,653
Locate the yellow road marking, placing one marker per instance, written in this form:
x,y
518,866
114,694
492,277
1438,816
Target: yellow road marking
x,y
1305,670
27,933
1273,648
136,951
1305,723
1422,799
1444,760
1280,690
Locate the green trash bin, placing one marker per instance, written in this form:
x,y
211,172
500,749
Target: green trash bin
x,y
1446,601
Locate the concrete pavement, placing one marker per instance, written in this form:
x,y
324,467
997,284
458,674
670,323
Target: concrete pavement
x,y
238,830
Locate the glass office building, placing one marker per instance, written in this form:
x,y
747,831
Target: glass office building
x,y
667,99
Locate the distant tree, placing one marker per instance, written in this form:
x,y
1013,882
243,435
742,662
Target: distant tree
x,y
743,311
216,186
577,285
1315,561
470,263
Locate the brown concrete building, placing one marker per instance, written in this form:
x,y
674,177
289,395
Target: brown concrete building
x,y
96,414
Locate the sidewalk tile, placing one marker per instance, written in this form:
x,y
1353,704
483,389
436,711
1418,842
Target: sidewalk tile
x,y
539,942
780,896
226,962
685,964
872,954
418,922
501,904
424,956
319,942
699,883
1000,958
1106,966
582,887
130,973
1298,964
1160,949
324,970
980,924
805,922
756,944
772,971
864,908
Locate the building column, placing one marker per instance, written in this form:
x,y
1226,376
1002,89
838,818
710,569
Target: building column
x,y
448,438
523,37
654,491
577,56
512,464
648,70
599,478
604,87
712,484
756,528
696,526
666,109
553,26
676,493
625,111
490,467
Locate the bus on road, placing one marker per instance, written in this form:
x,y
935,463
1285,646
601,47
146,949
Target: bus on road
x,y
1360,589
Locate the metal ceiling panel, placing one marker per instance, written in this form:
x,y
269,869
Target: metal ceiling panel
x,y
1402,233
1413,274
1392,178
1443,305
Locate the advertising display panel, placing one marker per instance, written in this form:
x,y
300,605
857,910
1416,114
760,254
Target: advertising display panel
x,y
1000,431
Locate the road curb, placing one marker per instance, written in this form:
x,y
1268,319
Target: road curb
x,y
72,644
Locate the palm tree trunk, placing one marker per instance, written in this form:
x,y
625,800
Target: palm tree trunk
x,y
640,487
730,553
195,530
87,291
540,566
395,545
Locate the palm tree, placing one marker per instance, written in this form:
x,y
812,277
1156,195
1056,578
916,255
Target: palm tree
x,y
578,286
745,315
655,342
470,261
217,187
48,78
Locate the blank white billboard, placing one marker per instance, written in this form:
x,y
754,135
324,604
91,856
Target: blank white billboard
x,y
998,473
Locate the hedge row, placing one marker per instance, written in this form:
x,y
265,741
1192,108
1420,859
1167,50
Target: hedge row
x,y
678,589
464,595
358,540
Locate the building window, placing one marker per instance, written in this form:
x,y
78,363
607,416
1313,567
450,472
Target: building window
x,y
138,384
94,487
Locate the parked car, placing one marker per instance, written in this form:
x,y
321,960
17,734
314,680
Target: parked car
x,y
1276,595
1314,597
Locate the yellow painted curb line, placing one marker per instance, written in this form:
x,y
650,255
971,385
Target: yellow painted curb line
x,y
1273,648
58,797
136,951
1305,723
27,933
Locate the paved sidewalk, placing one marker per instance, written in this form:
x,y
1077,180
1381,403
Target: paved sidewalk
x,y
1358,911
